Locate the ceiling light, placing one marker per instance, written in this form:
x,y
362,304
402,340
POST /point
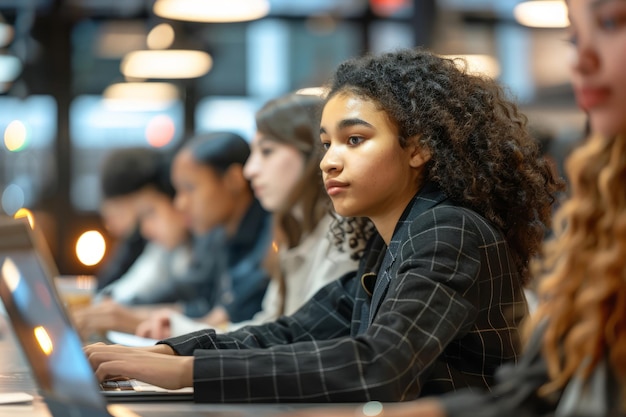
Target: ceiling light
x,y
166,64
139,96
161,36
542,14
479,64
313,91
212,10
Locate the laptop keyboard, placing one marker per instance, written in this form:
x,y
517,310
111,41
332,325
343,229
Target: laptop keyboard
x,y
117,385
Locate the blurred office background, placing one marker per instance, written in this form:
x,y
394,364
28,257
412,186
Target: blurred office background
x,y
81,77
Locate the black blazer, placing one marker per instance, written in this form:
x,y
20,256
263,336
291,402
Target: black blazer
x,y
442,314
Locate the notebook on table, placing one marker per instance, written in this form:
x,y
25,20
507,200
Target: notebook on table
x,y
45,332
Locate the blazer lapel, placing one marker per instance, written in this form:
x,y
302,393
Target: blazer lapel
x,y
368,271
383,279
428,196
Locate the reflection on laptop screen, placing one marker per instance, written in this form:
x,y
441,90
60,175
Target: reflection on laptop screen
x,y
48,340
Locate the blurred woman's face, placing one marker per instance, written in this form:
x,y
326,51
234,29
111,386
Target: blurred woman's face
x,y
201,194
159,221
273,170
598,34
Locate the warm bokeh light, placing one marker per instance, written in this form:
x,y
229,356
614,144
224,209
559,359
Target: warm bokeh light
x,y
90,248
149,96
45,343
15,136
387,7
275,246
10,274
25,213
166,64
161,36
212,10
542,14
313,91
160,131
478,64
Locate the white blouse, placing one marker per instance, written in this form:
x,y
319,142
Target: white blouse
x,y
312,264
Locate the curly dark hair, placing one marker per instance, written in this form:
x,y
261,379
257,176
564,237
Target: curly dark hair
x,y
482,155
351,233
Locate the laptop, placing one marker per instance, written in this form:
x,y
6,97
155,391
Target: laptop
x,y
45,332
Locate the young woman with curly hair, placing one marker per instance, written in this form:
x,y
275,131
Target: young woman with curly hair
x,y
283,170
574,363
443,166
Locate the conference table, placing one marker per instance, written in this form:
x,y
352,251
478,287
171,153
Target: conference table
x,y
15,377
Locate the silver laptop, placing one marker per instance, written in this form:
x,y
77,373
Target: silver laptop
x,y
45,332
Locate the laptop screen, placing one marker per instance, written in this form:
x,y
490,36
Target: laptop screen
x,y
48,341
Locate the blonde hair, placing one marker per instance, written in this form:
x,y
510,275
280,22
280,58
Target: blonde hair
x,y
583,292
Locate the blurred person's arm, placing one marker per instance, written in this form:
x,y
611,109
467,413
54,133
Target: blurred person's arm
x,y
166,323
107,314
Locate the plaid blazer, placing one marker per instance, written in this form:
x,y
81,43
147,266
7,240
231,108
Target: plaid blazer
x,y
441,315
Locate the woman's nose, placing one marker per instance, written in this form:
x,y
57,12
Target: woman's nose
x,y
330,161
250,168
586,59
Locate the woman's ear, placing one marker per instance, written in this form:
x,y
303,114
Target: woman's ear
x,y
234,179
419,155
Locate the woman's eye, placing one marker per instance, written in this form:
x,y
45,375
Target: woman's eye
x,y
608,23
612,20
354,140
266,151
325,145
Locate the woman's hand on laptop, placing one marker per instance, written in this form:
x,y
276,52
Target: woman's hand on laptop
x,y
157,365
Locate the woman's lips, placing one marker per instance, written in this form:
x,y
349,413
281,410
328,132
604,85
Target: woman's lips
x,y
258,190
334,187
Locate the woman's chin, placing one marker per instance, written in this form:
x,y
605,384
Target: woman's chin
x,y
606,125
345,212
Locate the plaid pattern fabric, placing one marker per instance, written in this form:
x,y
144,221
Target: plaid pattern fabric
x,y
443,316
